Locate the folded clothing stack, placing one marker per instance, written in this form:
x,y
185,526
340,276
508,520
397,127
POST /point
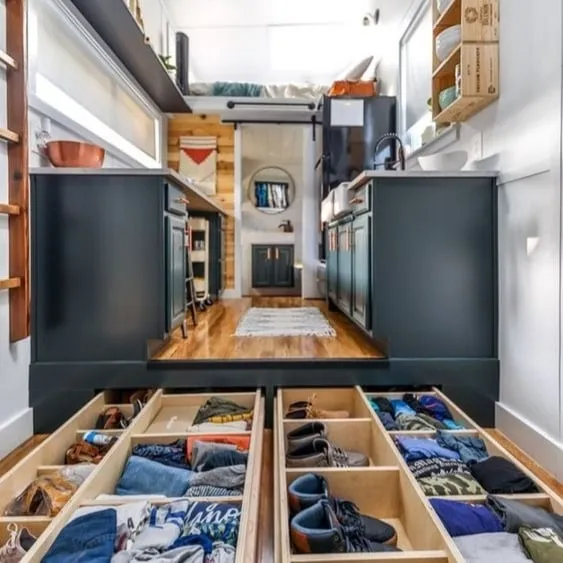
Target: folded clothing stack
x,y
502,530
180,531
424,412
460,465
221,415
205,466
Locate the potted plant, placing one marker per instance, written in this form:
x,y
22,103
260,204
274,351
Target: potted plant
x,y
170,68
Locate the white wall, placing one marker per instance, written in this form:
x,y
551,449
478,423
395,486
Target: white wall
x,y
520,135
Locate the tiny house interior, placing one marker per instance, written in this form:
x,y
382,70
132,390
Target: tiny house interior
x,y
307,209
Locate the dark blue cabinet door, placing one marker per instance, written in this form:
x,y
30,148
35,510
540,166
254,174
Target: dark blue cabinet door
x,y
361,268
175,271
332,263
262,265
283,265
344,291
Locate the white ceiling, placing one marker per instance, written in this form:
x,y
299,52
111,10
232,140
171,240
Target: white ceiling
x,y
281,40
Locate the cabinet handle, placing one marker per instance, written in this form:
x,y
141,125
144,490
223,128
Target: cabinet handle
x,y
356,200
182,200
269,253
277,253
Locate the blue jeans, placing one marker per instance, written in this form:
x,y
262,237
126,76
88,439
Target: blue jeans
x,y
145,477
89,538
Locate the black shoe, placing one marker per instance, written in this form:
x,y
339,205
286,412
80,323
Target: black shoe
x,y
309,489
317,529
304,435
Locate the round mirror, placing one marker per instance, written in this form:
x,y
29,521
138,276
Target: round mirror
x,y
271,190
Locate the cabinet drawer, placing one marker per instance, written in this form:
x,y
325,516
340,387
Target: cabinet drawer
x,y
360,199
175,200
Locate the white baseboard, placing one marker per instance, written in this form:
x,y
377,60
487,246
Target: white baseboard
x,y
16,431
545,450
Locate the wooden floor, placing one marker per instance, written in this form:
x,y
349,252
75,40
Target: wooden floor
x,y
213,338
265,545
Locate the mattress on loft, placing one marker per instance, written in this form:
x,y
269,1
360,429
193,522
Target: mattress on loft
x,y
252,90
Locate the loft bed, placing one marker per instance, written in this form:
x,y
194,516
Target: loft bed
x,y
310,92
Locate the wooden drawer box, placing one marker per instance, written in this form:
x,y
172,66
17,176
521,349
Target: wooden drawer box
x,y
151,427
386,490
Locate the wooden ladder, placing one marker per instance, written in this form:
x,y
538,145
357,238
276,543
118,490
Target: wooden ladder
x,y
16,135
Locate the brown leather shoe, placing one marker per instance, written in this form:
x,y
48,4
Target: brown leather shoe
x,y
307,409
321,453
305,434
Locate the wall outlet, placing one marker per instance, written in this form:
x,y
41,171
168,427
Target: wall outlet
x,y
476,147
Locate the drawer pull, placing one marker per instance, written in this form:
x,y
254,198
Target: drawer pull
x,y
277,254
182,200
356,200
269,253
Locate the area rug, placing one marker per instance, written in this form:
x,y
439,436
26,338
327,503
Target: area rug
x,y
294,321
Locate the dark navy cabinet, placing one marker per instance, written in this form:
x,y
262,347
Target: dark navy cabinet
x,y
415,264
107,263
272,266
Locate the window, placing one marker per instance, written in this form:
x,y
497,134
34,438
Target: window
x,y
70,74
416,76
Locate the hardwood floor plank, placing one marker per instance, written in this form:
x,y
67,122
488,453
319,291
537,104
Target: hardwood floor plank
x,y
213,337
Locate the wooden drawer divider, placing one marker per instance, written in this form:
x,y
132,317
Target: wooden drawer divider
x,y
384,490
547,498
106,475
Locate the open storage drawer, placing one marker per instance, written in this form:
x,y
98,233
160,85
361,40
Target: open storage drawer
x,y
382,490
150,427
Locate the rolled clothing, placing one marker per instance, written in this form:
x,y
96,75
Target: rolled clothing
x,y
387,420
515,515
209,455
209,491
400,407
453,484
429,467
173,455
437,407
219,522
500,476
436,424
542,545
470,449
419,448
217,409
452,424
165,526
90,537
491,548
193,553
231,477
240,442
143,476
222,427
463,519
412,422
131,518
413,402
382,404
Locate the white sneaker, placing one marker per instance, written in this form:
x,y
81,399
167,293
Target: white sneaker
x,y
18,544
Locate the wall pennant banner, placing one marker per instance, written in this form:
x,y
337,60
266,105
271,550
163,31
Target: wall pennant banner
x,y
198,161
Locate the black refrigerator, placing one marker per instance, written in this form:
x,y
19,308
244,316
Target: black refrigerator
x,y
351,128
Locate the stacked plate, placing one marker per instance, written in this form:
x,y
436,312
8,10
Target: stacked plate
x,y
447,41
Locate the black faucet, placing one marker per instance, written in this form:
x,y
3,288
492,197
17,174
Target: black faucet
x,y
400,151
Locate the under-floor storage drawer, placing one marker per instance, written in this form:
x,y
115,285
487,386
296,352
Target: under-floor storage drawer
x,y
382,486
147,470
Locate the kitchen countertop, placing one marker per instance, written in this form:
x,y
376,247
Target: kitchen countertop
x,y
367,175
199,201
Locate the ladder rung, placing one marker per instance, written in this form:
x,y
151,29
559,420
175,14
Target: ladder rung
x,y
10,283
8,135
7,60
8,209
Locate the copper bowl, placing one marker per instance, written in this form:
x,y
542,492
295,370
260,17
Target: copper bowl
x,y
73,154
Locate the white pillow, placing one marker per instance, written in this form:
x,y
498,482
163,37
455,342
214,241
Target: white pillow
x,y
356,71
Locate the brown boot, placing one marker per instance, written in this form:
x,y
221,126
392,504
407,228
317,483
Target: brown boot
x,y
307,409
304,435
321,453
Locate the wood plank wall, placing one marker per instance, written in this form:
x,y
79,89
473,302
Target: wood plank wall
x,y
181,125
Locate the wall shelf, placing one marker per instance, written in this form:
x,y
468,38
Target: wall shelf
x,y
473,66
117,27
